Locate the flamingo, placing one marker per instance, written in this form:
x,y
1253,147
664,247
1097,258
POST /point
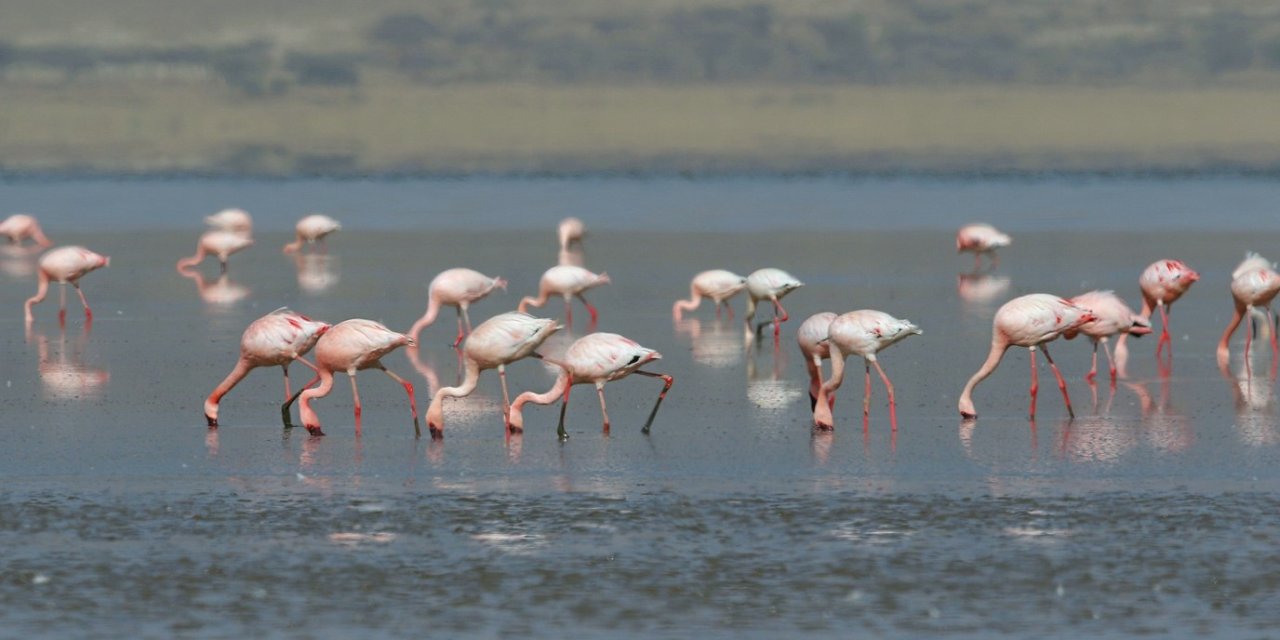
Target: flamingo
x,y
595,358
351,346
1028,321
65,265
20,226
570,231
234,220
979,239
1254,284
812,336
1111,317
568,281
769,284
497,342
312,229
278,338
217,243
717,284
1162,283
865,333
456,288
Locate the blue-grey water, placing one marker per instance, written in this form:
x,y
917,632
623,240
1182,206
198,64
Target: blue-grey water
x,y
1156,511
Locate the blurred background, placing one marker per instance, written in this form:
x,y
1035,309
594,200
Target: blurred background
x,y
339,87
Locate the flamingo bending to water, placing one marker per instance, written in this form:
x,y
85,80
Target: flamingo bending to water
x,y
865,333
717,284
814,346
1162,283
569,282
216,243
1254,284
769,284
234,220
20,226
312,229
456,288
1112,317
351,346
276,339
980,239
65,265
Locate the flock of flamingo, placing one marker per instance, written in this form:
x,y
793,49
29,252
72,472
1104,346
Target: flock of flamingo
x,y
284,336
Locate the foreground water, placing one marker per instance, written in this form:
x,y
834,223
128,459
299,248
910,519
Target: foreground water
x,y
1153,512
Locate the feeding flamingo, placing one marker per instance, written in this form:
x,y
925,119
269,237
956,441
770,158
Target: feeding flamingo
x,y
812,337
1111,317
456,288
717,284
276,339
1028,321
234,220
979,239
595,358
865,332
1162,283
216,243
769,284
567,281
1254,284
497,342
65,265
312,229
20,226
352,346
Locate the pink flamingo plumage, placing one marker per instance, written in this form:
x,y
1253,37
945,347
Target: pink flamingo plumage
x,y
769,284
312,229
276,339
980,239
456,288
352,346
1162,283
234,220
812,337
717,284
595,358
865,332
20,226
1112,317
1028,321
65,265
497,342
570,231
216,243
569,282
1254,284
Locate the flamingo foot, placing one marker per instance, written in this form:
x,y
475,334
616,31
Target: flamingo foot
x,y
314,429
824,428
436,432
968,416
213,422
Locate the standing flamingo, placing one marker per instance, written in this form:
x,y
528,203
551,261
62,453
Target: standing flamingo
x,y
814,346
570,231
20,226
1028,321
595,358
567,281
312,229
234,220
65,265
1254,284
216,243
351,346
717,284
276,339
1162,283
769,284
1111,317
979,239
497,342
865,333
456,288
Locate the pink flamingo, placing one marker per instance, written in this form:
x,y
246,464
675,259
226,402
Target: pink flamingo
x,y
65,265
717,284
595,358
456,288
1162,283
497,342
1028,321
234,220
312,229
812,336
567,281
1112,317
769,284
216,243
276,339
20,226
865,332
570,231
1254,284
351,346
979,239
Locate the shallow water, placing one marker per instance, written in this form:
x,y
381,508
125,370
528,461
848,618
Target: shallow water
x,y
1153,512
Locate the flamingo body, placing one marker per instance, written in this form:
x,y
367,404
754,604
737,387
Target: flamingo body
x,y
1162,283
812,338
234,220
276,339
65,265
771,285
1254,284
218,243
351,346
456,288
865,333
1112,317
718,284
312,229
20,226
567,281
981,239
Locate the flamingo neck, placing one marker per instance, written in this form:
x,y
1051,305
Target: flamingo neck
x,y
998,349
433,309
695,299
192,260
295,245
308,416
534,302
435,413
237,374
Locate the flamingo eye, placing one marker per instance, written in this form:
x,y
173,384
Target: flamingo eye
x,y
634,359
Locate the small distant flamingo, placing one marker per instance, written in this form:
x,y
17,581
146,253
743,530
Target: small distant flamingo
x,y
1163,283
1254,284
769,284
1028,321
20,226
456,288
979,239
812,336
234,220
1112,317
717,284
65,265
216,243
276,339
567,281
570,231
865,332
312,229
497,342
351,346
595,358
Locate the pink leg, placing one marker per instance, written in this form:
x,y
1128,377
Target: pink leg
x,y
355,393
603,411
728,308
1271,324
413,402
62,305
1111,363
595,316
88,313
1062,384
506,397
977,261
1164,332
893,403
1035,383
1248,341
778,310
1093,369
568,313
866,397
458,340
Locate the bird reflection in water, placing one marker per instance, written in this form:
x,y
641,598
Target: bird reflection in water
x,y
1254,398
221,293
979,290
62,369
1165,426
317,272
771,391
18,262
715,344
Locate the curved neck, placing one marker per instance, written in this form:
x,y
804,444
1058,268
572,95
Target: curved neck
x,y
555,392
193,260
304,401
237,374
42,289
435,413
295,245
1241,309
534,302
998,347
433,309
695,299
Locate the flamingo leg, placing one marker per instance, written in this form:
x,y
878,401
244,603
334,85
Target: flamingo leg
x,y
355,393
1035,383
1093,369
1062,383
466,319
718,306
777,321
1248,340
1111,363
667,381
88,313
728,308
595,316
893,403
1271,324
568,312
290,399
413,402
603,411
1164,331
458,340
506,397
564,406
222,266
62,304
977,261
866,395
